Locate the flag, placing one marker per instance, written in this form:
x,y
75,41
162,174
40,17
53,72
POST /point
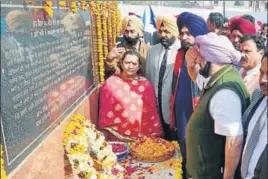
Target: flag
x,y
144,18
152,17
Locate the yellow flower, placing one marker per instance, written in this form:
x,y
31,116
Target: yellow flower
x,y
47,5
63,3
83,5
77,147
3,171
73,6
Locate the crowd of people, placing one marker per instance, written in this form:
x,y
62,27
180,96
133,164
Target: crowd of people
x,y
204,84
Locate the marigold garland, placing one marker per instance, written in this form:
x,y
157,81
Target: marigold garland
x,y
47,5
73,6
114,21
88,152
119,22
105,28
3,171
110,28
94,41
83,5
62,3
178,162
100,41
105,25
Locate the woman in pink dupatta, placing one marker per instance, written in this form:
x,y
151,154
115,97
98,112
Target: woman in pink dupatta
x,y
128,106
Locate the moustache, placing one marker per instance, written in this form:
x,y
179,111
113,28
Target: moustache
x,y
164,39
264,85
167,42
184,42
237,46
243,59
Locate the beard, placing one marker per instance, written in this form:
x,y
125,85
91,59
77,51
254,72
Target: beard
x,y
205,71
131,41
186,45
264,88
166,42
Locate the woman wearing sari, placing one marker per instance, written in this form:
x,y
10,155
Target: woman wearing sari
x,y
128,106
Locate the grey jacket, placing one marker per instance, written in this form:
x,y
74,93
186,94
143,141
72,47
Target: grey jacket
x,y
152,74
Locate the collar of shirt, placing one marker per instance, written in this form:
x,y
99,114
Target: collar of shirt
x,y
201,81
175,46
253,71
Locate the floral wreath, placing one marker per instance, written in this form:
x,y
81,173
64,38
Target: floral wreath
x,y
89,154
3,171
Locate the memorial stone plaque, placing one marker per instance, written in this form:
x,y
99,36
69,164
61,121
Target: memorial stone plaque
x,y
46,70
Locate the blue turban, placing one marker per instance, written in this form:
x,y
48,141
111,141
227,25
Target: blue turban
x,y
195,24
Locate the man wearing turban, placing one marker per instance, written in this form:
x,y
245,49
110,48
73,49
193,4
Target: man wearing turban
x,y
132,39
19,21
240,27
214,134
185,93
159,67
19,24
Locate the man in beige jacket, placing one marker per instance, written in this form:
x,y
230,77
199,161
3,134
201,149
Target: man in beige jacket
x,y
133,40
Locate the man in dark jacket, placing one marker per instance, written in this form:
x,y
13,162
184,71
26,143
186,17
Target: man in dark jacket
x,y
254,158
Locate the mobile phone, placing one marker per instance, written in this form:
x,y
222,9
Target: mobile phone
x,y
121,41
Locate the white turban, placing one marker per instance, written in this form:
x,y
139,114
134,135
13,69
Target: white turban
x,y
217,49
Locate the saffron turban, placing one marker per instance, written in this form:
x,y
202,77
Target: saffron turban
x,y
168,21
244,26
195,24
217,49
18,20
134,22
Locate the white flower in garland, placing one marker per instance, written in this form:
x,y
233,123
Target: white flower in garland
x,y
88,152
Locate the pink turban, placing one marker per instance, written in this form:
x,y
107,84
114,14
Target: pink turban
x,y
217,49
258,26
243,25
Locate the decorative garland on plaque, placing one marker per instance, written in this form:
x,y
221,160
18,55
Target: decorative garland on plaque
x,y
110,30
89,154
177,164
3,171
100,40
94,42
105,26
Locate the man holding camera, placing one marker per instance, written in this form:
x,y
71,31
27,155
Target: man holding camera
x,y
132,39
